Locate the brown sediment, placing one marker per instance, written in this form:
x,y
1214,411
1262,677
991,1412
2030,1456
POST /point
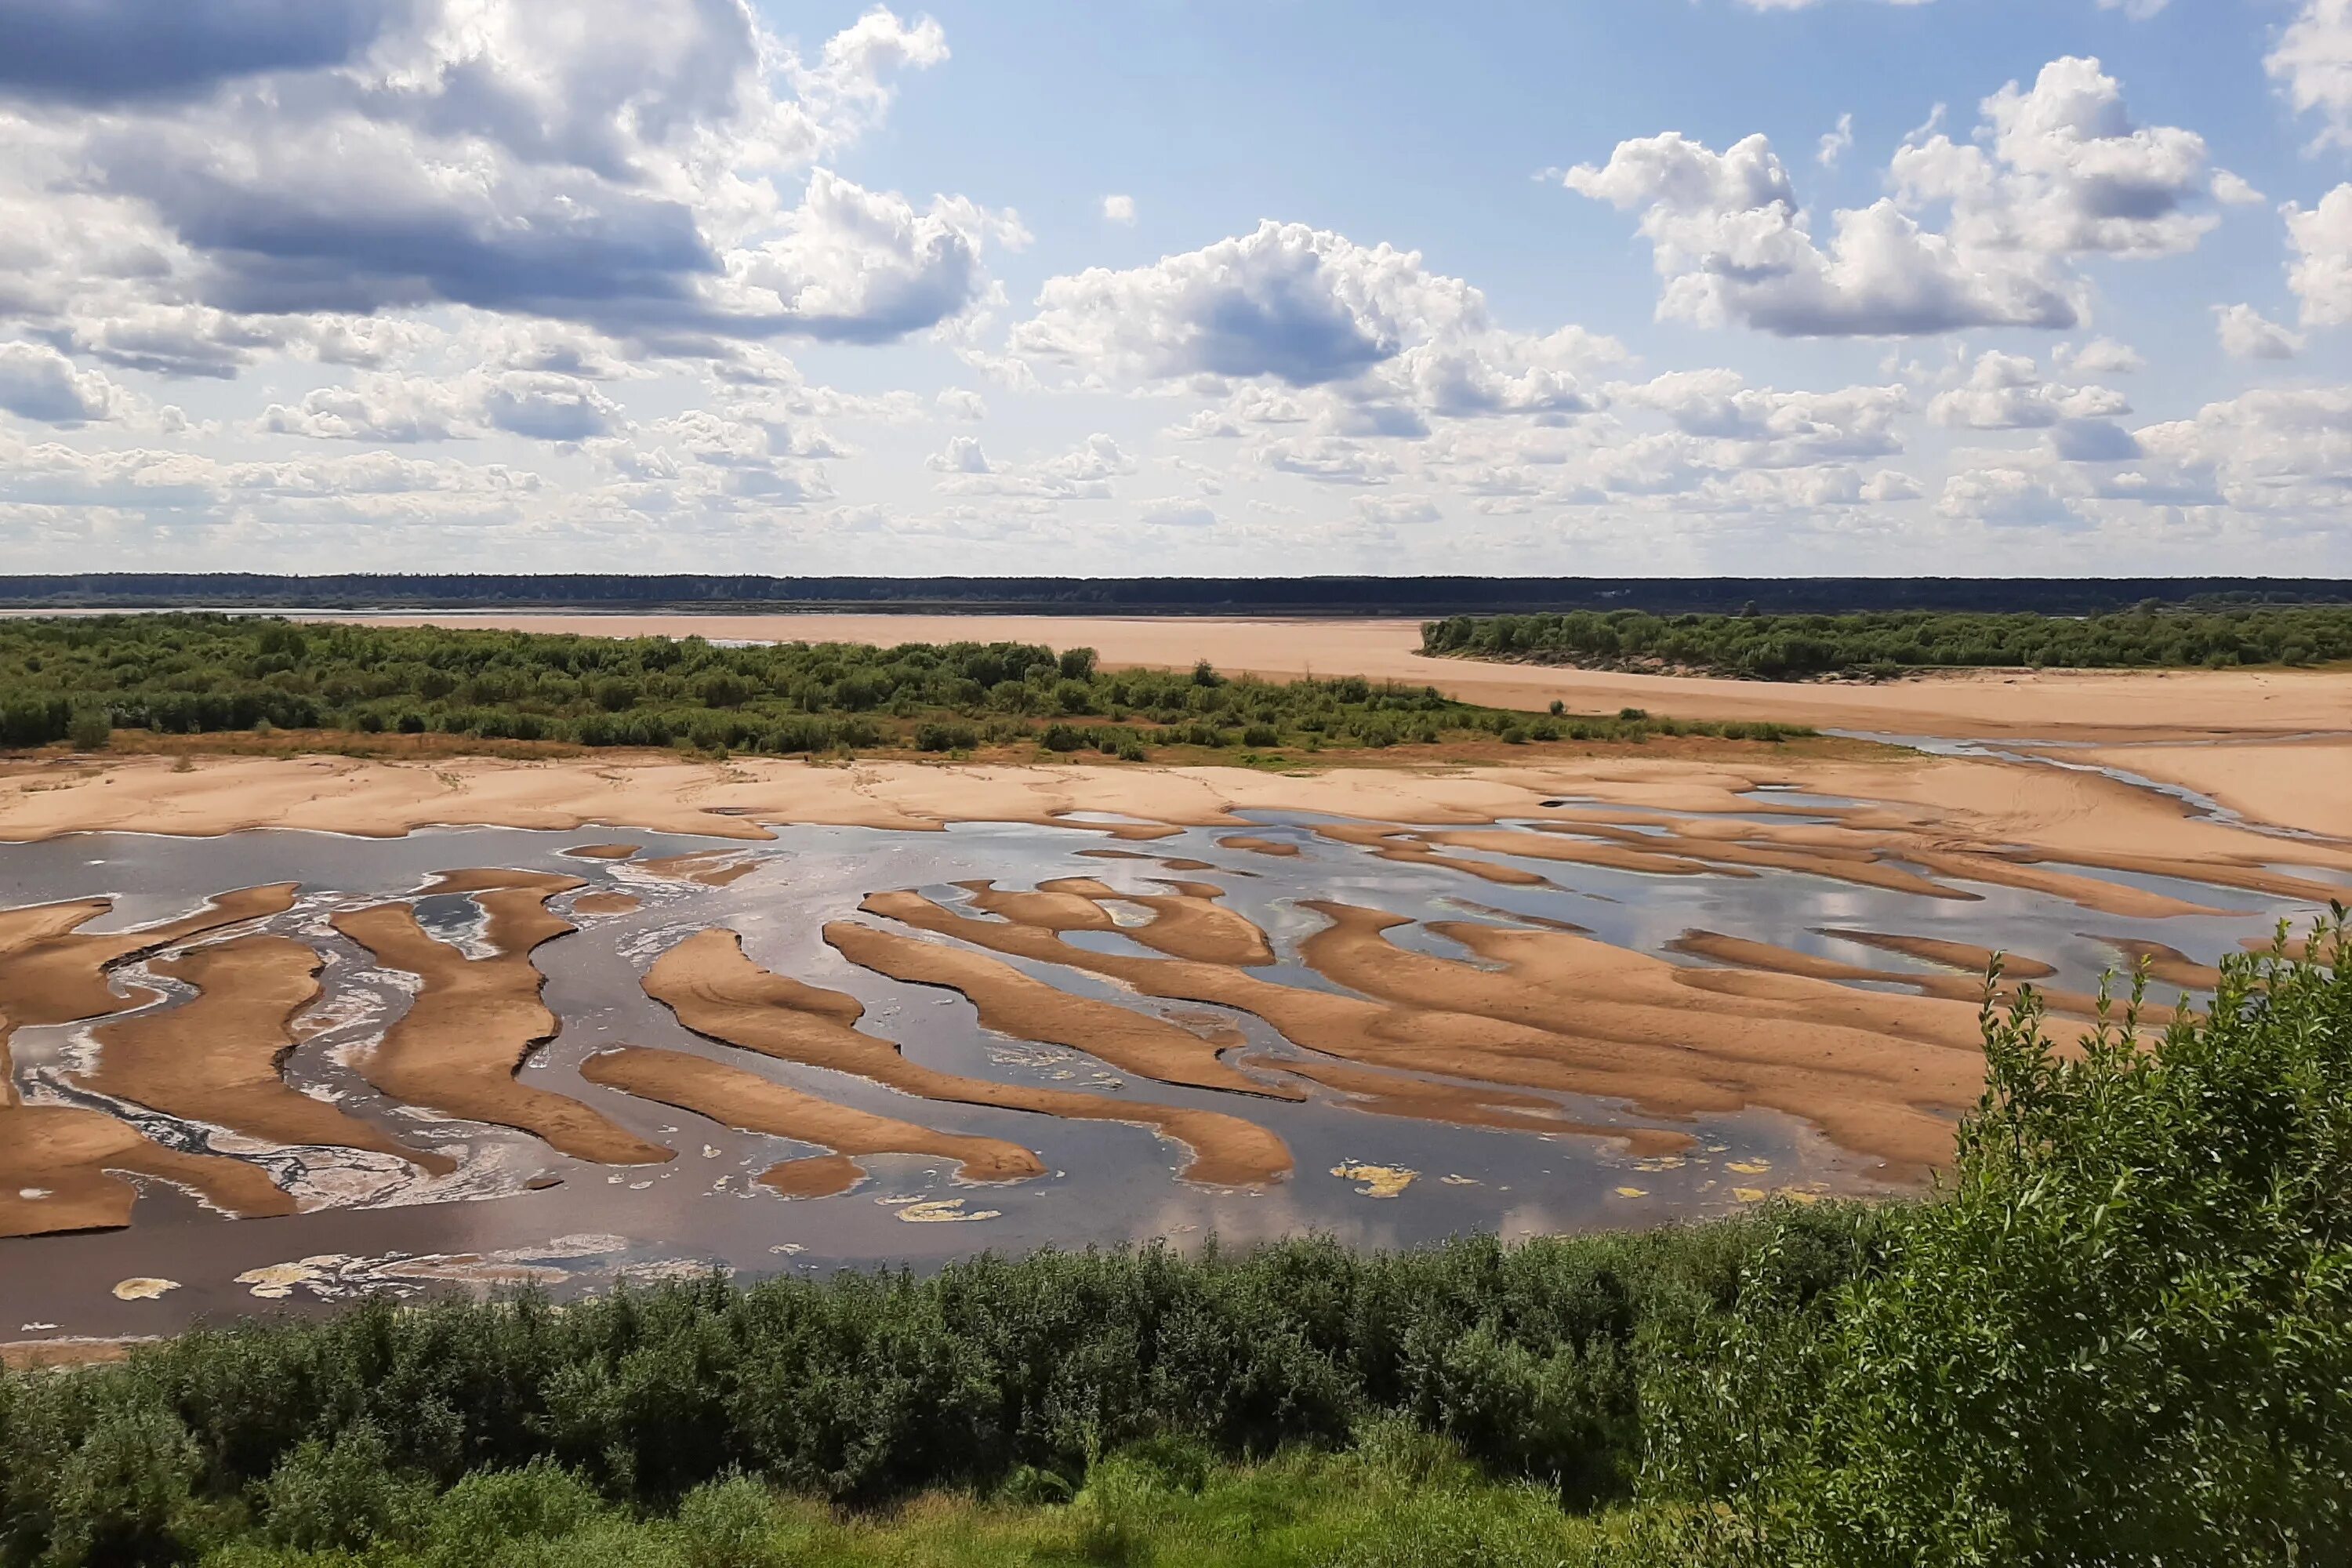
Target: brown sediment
x,y
2166,966
603,851
709,868
1113,855
40,1355
750,1103
215,1057
1966,957
1188,923
2087,893
2213,873
1384,1093
1389,842
1012,1002
477,1021
1966,994
1851,862
51,973
717,991
1255,845
605,904
1546,921
1615,856
1560,1018
70,1157
1409,1041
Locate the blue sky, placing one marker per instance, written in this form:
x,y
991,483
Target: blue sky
x,y
1681,286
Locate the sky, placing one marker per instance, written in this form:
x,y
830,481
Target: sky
x,y
1177,286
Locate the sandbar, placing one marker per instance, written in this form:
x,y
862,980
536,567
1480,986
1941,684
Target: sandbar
x,y
215,1057
722,995
476,1020
745,1101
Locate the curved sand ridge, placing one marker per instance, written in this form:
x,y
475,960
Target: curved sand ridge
x,y
1880,1075
65,1157
749,1103
719,992
476,1020
1406,1044
215,1058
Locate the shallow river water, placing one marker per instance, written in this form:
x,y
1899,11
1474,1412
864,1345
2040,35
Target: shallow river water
x,y
515,1210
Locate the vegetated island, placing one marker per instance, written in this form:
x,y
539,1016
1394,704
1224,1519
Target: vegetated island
x,y
87,681
1882,646
2121,1332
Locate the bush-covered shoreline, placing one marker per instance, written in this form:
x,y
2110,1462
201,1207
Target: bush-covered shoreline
x,y
2121,1331
1795,648
79,679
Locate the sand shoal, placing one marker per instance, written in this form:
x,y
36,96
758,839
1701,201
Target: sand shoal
x,y
722,995
215,1057
749,1103
476,1020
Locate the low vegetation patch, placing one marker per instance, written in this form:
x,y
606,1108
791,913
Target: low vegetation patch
x,y
1793,648
2121,1331
78,681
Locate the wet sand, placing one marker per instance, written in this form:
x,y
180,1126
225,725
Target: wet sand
x,y
750,1103
1012,1002
2304,785
1958,818
58,1163
719,993
2119,706
476,1020
215,1058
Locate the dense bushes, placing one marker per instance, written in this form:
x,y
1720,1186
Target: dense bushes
x,y
1773,648
867,1387
2121,1334
189,674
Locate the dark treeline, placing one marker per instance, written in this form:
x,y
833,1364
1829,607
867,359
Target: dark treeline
x,y
2121,1331
1775,646
1155,595
78,679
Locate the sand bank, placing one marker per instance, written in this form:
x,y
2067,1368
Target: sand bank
x,y
1404,1044
215,1057
750,1103
1012,1002
57,1164
2048,704
719,992
2292,783
478,1020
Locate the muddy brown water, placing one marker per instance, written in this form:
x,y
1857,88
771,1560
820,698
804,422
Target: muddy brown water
x,y
515,1211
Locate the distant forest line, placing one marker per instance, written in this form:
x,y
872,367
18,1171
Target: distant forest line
x,y
1365,596
1795,648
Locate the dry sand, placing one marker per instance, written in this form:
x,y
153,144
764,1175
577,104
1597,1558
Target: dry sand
x,y
2045,704
750,1103
57,1164
1014,1004
719,993
478,1020
215,1057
